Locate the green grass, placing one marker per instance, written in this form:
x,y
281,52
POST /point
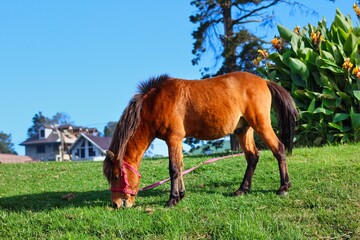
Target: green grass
x,y
323,201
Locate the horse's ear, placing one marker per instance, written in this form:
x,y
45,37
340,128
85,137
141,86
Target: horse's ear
x,y
110,155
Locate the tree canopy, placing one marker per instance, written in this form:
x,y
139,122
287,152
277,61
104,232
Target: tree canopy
x,y
39,119
222,27
6,146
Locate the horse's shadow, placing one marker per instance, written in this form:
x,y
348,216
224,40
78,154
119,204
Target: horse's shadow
x,y
58,200
52,200
101,198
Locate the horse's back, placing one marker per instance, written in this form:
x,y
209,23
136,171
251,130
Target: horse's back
x,y
210,108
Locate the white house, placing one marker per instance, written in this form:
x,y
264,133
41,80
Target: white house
x,y
89,147
52,142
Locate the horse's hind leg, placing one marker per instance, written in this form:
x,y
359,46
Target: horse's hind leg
x,y
268,135
247,143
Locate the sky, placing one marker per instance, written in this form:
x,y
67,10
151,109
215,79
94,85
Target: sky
x,y
86,57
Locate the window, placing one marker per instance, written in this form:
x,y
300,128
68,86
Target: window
x,y
82,150
40,149
42,133
57,147
91,151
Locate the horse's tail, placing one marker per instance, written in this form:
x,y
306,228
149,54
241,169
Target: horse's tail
x,y
287,114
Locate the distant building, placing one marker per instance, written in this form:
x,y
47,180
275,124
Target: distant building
x,y
53,142
12,158
89,147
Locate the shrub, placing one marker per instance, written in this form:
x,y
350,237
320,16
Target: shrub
x,y
320,66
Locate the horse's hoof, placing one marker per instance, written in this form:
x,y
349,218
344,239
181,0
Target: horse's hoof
x,y
182,195
239,193
282,193
171,203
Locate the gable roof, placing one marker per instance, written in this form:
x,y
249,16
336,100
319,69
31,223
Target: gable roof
x,y
52,138
102,143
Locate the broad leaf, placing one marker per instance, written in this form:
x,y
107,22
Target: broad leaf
x,y
323,110
351,44
340,116
299,67
285,33
357,94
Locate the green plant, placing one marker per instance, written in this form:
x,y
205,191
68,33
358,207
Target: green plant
x,y
320,66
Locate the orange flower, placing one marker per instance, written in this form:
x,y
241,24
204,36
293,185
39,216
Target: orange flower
x,y
263,53
316,37
356,9
277,43
347,65
257,61
356,71
297,30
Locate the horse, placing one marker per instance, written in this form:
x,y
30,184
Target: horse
x,y
172,109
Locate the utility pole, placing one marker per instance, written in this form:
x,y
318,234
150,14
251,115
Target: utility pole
x,y
62,143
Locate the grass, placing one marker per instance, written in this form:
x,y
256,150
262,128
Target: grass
x,y
323,202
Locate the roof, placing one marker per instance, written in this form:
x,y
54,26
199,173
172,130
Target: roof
x,y
52,138
69,138
12,158
102,143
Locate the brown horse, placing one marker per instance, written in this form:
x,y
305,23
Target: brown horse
x,y
172,109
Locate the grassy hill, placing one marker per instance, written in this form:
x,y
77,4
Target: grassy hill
x,y
323,201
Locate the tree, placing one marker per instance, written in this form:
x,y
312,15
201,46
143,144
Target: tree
x,y
109,129
6,146
222,25
39,119
60,118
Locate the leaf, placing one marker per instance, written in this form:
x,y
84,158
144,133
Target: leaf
x,y
357,94
323,63
295,40
333,69
311,106
327,55
340,117
345,97
299,67
285,33
341,22
297,80
355,120
336,126
323,110
351,44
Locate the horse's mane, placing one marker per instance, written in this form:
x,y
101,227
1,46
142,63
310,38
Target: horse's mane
x,y
129,122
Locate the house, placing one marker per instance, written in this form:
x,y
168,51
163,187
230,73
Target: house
x,y
12,158
53,142
89,147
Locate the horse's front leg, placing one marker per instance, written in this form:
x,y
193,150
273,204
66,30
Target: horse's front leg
x,y
177,191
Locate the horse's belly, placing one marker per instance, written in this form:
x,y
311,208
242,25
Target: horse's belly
x,y
213,127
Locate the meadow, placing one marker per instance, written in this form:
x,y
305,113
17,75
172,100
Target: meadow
x,y
71,200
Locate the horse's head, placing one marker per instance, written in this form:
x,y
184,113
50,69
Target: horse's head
x,y
124,181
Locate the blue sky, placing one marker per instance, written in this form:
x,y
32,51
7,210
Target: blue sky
x,y
86,57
